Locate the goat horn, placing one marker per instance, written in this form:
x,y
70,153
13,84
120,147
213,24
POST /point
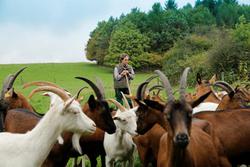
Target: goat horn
x,y
125,101
40,83
121,107
62,94
224,85
93,86
183,83
9,81
100,86
139,94
166,85
15,76
145,86
79,91
158,87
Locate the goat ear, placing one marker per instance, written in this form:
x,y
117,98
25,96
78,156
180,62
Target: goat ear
x,y
135,109
92,102
11,93
200,99
213,79
231,94
140,103
154,104
198,78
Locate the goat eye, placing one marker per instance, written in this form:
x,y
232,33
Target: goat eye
x,y
168,116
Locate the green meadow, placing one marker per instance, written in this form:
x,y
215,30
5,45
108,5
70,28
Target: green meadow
x,y
63,75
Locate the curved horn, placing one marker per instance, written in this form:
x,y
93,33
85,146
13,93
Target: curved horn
x,y
79,91
40,83
183,83
93,86
125,101
166,85
224,85
139,94
145,86
9,81
62,94
118,105
15,76
100,86
158,87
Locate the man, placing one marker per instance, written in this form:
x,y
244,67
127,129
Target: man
x,y
123,73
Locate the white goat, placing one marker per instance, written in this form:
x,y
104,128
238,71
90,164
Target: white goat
x,y
32,148
120,146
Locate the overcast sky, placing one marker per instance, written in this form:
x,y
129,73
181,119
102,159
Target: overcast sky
x,y
37,31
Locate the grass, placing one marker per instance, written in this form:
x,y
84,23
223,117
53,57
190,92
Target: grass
x,y
63,75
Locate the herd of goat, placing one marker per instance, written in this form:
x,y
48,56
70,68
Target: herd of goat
x,y
202,129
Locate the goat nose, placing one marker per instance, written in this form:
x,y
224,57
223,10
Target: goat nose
x,y
182,140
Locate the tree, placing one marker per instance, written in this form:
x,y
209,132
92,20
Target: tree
x,y
200,16
126,39
170,5
227,14
98,44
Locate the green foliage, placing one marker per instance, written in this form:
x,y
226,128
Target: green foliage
x,y
179,36
173,25
227,14
98,44
242,33
231,53
126,39
199,16
170,5
191,52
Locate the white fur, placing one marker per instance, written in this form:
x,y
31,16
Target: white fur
x,y
32,148
120,146
206,106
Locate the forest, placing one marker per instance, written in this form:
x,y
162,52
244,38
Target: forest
x,y
211,37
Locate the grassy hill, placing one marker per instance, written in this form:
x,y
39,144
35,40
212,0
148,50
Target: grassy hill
x,y
63,74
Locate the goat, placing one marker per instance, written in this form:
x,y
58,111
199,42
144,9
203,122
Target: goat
x,y
97,110
32,148
10,99
120,146
148,141
234,99
92,145
14,99
185,149
232,129
148,145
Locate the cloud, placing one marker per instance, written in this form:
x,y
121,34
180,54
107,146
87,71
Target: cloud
x,y
27,44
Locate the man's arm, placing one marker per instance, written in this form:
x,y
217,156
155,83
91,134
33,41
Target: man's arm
x,y
131,74
117,75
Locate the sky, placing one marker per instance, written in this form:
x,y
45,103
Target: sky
x,y
35,31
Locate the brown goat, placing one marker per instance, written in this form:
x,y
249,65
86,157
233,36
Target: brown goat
x,y
232,129
182,145
148,145
204,86
10,98
235,98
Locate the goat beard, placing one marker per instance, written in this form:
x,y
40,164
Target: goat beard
x,y
75,142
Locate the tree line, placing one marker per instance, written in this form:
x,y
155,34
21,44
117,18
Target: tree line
x,y
213,37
